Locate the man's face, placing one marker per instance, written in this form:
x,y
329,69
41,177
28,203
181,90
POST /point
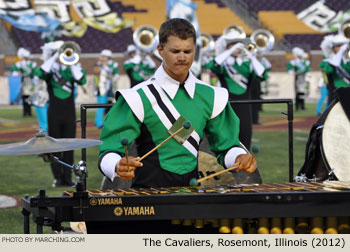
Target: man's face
x,y
336,48
103,59
178,55
236,53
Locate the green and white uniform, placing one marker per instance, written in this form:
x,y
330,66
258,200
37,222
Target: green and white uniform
x,y
235,74
60,81
337,76
146,112
139,69
108,75
25,69
301,69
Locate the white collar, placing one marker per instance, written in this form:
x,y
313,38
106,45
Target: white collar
x,y
170,86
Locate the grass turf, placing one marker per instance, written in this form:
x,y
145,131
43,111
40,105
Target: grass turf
x,y
27,174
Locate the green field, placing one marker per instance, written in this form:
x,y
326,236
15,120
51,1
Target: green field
x,y
27,174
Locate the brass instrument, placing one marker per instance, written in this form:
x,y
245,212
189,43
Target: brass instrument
x,y
345,31
263,39
146,38
208,43
69,53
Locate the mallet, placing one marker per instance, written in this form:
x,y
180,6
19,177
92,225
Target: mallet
x,y
185,125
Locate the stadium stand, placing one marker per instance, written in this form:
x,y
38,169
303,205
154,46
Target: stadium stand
x,y
141,12
280,18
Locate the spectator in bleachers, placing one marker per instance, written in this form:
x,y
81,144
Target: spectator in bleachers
x,y
24,68
235,67
105,75
60,79
300,68
337,67
138,68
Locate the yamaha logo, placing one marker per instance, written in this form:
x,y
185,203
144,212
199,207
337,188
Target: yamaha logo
x,y
118,211
93,202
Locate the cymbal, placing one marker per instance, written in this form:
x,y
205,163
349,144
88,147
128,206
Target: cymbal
x,y
46,144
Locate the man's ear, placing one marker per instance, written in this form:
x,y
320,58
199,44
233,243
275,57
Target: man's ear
x,y
160,50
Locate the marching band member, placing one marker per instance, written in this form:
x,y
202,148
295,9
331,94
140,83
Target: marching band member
x,y
337,67
105,74
24,68
235,66
147,111
60,79
300,68
143,113
256,87
327,50
138,68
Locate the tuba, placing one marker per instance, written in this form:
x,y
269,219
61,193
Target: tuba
x,y
146,38
263,39
208,43
69,53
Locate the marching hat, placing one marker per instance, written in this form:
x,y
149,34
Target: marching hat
x,y
131,48
106,52
23,53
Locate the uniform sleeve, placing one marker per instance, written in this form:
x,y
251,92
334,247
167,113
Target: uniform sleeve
x,y
120,122
326,67
82,81
222,133
290,68
215,68
40,73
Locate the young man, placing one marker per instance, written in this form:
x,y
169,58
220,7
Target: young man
x,y
60,80
300,68
105,74
146,112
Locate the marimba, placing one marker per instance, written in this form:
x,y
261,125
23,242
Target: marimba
x,y
229,207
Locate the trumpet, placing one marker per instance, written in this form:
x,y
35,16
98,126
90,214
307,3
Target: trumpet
x,y
69,53
263,39
208,43
146,38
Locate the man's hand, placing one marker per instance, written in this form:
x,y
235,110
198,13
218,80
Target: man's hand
x,y
246,162
125,170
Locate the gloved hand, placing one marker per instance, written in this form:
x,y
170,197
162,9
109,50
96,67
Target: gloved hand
x,y
336,59
76,71
47,65
223,56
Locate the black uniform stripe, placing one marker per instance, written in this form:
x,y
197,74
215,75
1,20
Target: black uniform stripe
x,y
161,104
170,116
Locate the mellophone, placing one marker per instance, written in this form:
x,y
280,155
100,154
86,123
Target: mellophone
x,y
293,207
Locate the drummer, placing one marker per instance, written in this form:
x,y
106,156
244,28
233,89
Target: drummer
x,y
145,113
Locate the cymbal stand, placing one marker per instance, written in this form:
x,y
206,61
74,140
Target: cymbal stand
x,y
79,170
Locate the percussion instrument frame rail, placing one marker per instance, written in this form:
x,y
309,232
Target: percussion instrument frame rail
x,y
142,205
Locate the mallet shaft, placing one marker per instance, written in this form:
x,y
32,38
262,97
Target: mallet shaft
x,y
217,173
159,145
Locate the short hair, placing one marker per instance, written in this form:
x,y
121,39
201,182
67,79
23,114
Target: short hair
x,y
177,27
